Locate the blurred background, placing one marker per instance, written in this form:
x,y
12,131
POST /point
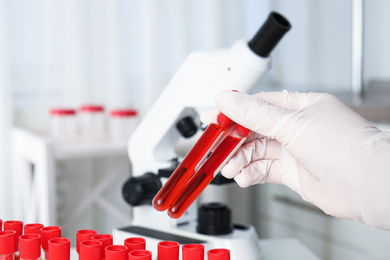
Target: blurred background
x,y
122,53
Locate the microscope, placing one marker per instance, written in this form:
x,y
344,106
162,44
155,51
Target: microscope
x,y
174,116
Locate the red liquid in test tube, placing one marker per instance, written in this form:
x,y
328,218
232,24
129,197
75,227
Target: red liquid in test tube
x,y
186,169
203,177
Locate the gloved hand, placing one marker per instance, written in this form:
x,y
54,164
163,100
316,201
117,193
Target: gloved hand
x,y
315,145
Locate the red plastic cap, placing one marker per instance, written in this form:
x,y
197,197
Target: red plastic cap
x,y
1,224
244,132
91,250
116,252
48,233
168,250
82,235
106,240
30,246
218,254
123,112
59,248
7,242
193,252
62,111
224,120
15,225
141,255
33,228
135,243
92,108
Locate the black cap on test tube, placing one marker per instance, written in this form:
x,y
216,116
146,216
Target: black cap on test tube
x,y
269,34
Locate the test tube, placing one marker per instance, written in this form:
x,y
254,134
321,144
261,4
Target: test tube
x,y
168,250
218,254
7,245
116,252
225,150
135,243
90,250
106,240
30,247
187,167
192,252
59,248
32,228
48,233
140,254
82,235
17,226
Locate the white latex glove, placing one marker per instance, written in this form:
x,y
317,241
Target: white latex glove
x,y
315,145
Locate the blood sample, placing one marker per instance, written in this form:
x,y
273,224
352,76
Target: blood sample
x,y
218,254
59,248
7,245
209,169
187,167
30,246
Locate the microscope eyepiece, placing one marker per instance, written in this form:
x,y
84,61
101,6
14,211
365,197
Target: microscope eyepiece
x,y
268,36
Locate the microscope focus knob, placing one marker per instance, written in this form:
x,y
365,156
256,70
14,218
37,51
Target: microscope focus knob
x,y
214,219
141,190
187,127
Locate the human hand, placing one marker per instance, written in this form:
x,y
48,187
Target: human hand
x,y
315,145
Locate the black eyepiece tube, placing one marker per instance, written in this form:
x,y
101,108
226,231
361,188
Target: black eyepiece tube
x,y
269,34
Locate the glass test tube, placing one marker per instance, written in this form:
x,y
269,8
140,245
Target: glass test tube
x,y
187,167
229,145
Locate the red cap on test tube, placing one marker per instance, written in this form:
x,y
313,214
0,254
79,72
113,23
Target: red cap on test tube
x,y
7,242
134,243
140,254
116,252
30,246
16,226
106,240
48,233
1,224
91,250
59,248
168,250
33,228
82,235
218,254
193,252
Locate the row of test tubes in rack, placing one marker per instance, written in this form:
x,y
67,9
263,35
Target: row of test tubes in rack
x,y
35,242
